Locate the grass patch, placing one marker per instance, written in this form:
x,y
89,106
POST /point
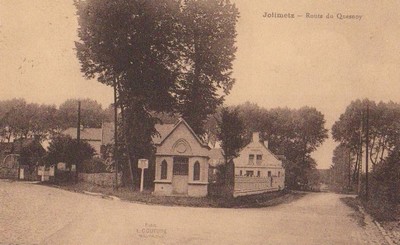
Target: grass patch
x,y
355,204
252,201
381,210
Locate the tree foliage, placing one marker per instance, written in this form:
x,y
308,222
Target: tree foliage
x,y
209,36
19,119
92,113
340,171
384,186
384,131
31,154
68,150
134,42
230,133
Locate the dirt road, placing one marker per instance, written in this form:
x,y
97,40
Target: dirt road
x,y
34,214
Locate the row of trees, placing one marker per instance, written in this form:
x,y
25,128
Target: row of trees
x,y
294,133
160,56
374,126
350,131
19,119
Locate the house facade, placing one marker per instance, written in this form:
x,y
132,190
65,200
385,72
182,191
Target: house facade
x,y
257,169
181,166
96,137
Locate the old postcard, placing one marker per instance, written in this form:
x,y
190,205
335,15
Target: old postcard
x,y
199,122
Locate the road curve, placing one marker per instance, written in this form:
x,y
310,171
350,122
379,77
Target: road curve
x,y
34,214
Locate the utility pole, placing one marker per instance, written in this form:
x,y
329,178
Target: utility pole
x,y
78,139
115,134
78,129
366,152
349,179
360,158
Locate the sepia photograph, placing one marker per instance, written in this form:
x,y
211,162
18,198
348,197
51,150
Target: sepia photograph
x,y
199,122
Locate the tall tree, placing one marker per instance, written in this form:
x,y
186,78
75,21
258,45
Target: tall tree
x,y
209,49
136,44
342,164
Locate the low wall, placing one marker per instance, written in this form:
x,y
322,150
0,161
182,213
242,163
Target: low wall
x,y
102,179
245,185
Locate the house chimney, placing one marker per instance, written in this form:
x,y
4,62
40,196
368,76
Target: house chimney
x,y
256,137
266,144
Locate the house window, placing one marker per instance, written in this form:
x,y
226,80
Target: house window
x,y
251,159
180,169
259,159
249,173
196,171
269,173
164,168
181,166
240,173
279,173
258,173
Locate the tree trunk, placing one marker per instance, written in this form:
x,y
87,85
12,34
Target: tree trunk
x,y
127,146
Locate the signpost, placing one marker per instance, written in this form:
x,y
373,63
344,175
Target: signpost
x,y
143,164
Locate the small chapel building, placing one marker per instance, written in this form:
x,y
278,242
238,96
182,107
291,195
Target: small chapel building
x,y
181,165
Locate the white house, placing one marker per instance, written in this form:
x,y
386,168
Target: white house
x,y
257,169
181,166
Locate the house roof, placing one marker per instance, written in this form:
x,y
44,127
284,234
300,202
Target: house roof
x,y
90,134
163,130
257,140
106,133
270,152
182,121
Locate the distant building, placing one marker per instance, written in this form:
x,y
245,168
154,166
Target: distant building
x,y
96,137
257,169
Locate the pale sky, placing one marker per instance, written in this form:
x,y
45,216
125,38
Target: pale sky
x,y
323,63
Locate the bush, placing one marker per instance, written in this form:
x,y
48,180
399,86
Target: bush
x,y
384,188
31,154
65,149
94,165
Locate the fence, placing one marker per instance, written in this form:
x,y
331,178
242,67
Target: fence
x,y
245,185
